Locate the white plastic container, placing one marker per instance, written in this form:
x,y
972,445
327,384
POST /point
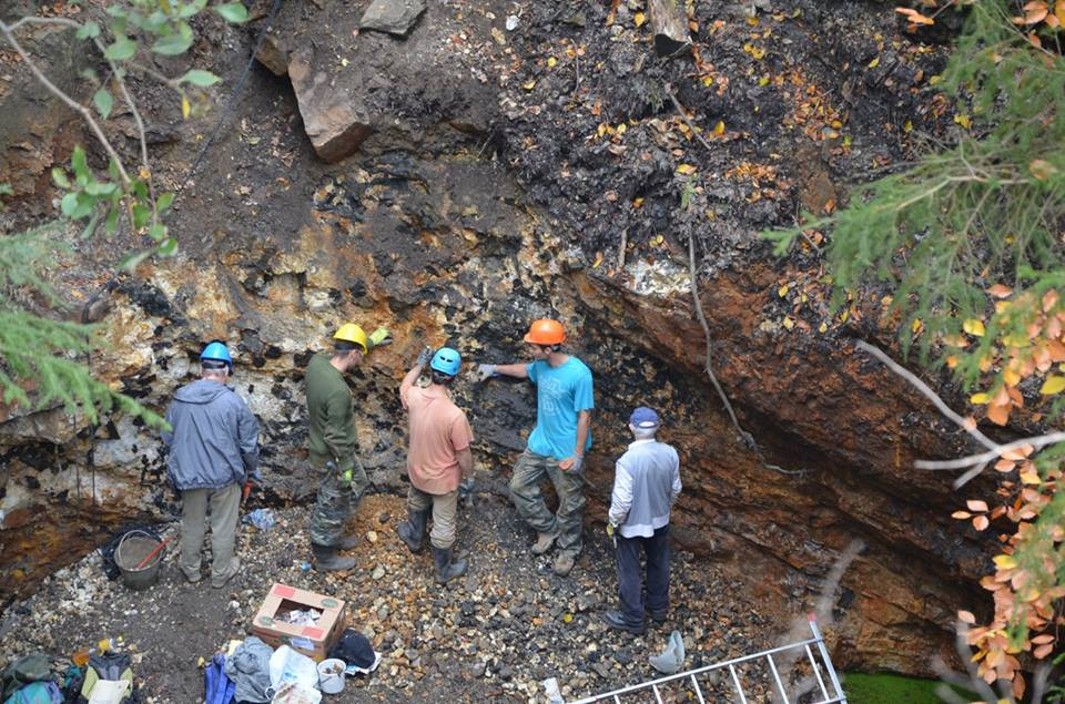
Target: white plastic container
x,y
331,675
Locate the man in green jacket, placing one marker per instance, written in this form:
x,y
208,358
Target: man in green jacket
x,y
333,444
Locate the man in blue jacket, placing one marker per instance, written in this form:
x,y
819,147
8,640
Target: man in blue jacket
x,y
646,484
214,449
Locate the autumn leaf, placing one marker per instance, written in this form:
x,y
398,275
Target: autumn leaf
x,y
961,515
1005,562
686,169
966,617
999,414
981,522
974,327
980,399
914,16
1053,385
976,505
1040,168
1000,291
639,18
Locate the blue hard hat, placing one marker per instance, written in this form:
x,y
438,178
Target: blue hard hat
x,y
446,361
215,352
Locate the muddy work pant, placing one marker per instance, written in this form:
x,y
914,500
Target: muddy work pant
x,y
444,514
630,576
224,505
337,500
529,472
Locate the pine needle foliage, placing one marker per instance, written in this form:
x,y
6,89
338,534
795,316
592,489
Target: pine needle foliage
x,y
988,209
42,358
969,243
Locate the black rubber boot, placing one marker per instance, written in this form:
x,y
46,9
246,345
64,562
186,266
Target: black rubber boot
x,y
327,560
348,542
412,530
446,569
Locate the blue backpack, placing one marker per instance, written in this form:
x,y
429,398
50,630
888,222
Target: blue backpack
x,y
218,688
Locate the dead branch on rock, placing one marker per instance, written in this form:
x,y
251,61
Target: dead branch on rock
x,y
978,462
684,115
708,365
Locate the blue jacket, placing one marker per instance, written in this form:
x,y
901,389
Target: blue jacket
x,y
215,437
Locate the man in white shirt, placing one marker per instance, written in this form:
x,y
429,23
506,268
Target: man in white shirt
x,y
646,484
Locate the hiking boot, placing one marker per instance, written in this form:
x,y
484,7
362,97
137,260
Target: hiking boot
x,y
348,542
327,560
412,530
659,617
543,543
446,568
234,567
616,620
564,564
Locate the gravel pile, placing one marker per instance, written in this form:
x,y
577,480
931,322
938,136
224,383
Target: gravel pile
x,y
491,636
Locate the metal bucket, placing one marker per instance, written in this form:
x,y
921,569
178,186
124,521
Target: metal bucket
x,y
135,547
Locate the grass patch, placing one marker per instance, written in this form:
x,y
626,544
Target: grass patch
x,y
889,689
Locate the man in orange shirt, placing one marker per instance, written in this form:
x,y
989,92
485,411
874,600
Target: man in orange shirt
x,y
438,459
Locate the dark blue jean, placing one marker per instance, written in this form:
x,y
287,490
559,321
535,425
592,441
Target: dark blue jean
x,y
630,576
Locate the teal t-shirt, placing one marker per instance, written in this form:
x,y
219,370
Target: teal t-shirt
x,y
561,393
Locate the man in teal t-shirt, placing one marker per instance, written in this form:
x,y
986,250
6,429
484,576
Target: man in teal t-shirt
x,y
558,443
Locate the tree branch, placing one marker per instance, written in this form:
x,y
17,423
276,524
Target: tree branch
x,y
74,105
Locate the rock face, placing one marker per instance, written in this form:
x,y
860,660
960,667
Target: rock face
x,y
482,186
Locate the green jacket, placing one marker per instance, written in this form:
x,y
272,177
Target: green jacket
x,y
330,415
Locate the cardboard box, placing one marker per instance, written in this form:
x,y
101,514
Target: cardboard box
x,y
314,641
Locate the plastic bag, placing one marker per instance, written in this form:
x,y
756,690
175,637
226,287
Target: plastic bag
x,y
295,693
288,665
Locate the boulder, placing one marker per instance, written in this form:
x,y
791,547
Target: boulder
x,y
393,16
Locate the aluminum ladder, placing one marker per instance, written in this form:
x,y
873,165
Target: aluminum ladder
x,y
810,658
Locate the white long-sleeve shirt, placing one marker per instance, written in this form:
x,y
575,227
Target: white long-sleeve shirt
x,y
646,483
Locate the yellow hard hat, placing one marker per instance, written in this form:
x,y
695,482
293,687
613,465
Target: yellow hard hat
x,y
350,332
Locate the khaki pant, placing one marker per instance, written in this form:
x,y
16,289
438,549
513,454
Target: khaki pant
x,y
224,505
445,510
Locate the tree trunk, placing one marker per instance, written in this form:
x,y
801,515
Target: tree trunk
x,y
670,23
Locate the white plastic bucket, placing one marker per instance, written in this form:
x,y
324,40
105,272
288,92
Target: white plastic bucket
x,y
331,675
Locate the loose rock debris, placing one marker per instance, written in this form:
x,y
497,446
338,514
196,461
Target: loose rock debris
x,y
494,635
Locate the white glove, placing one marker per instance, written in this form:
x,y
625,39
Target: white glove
x,y
486,371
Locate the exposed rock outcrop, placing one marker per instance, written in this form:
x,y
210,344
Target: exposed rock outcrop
x,y
477,191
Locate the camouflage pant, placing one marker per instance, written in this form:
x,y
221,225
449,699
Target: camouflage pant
x,y
337,500
529,471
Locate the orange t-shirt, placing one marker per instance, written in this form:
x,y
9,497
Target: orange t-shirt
x,y
438,430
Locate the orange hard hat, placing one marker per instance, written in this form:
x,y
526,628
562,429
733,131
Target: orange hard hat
x,y
545,332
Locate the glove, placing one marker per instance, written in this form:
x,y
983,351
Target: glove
x,y
380,337
572,465
486,371
466,491
425,357
612,533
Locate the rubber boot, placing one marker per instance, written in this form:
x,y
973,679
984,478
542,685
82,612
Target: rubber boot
x,y
327,560
348,542
412,530
446,569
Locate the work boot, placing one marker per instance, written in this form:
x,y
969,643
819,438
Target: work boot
x,y
412,530
327,560
564,563
543,543
616,620
446,569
